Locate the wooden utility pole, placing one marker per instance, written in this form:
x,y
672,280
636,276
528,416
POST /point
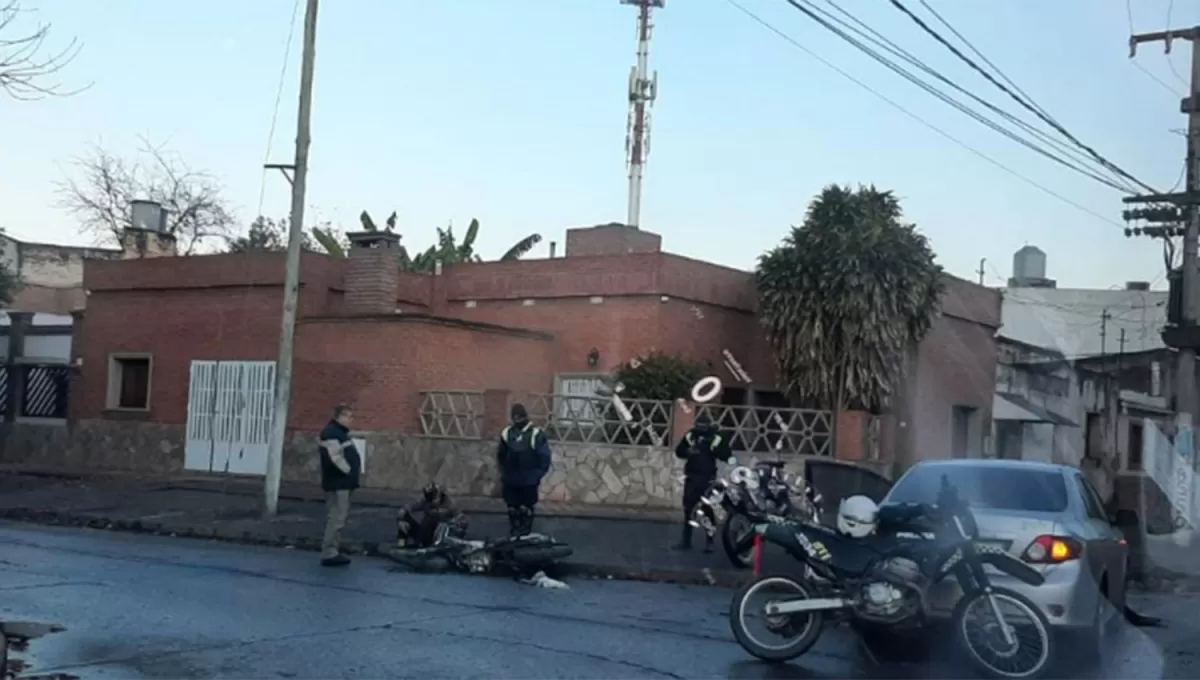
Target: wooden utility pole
x,y
1185,335
291,288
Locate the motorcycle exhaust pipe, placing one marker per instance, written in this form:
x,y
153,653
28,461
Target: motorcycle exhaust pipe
x,y
809,605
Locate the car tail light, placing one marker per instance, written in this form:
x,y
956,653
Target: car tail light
x,y
1052,550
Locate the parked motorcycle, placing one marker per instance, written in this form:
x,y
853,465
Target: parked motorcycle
x,y
756,495
881,581
451,549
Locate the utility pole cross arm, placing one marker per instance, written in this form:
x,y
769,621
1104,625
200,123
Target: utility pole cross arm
x,y
1165,36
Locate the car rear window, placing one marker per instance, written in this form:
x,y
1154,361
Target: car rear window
x,y
982,486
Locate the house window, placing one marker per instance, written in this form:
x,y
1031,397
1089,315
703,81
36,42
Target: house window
x,y
575,398
1134,462
129,382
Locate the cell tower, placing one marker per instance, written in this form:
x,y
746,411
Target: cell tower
x,y
643,90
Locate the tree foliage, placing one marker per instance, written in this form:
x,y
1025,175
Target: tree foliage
x,y
27,68
102,194
845,297
266,234
660,376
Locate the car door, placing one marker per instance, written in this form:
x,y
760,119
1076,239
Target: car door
x,y
1116,550
1104,550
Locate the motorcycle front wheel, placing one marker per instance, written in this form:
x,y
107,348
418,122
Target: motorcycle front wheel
x,y
783,637
1026,652
735,528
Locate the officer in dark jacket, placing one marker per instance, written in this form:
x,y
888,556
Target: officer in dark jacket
x,y
701,448
341,466
524,459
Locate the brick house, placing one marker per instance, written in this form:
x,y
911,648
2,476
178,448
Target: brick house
x,y
376,337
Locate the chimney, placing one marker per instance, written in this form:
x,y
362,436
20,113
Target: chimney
x,y
373,273
1137,285
553,247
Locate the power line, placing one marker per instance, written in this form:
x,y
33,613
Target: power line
x,y
287,51
1003,88
1149,74
883,42
981,56
830,65
811,13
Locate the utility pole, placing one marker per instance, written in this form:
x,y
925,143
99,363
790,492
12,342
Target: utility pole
x,y
643,90
291,288
982,261
1104,317
1184,336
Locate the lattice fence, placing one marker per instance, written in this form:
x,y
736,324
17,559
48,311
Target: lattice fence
x,y
455,414
761,429
597,420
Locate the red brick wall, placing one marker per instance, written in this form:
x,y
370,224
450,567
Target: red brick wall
x,y
380,366
611,239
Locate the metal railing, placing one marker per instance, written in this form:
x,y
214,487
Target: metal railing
x,y
454,414
574,418
763,429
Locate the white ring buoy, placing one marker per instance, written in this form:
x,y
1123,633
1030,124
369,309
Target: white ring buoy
x,y
712,383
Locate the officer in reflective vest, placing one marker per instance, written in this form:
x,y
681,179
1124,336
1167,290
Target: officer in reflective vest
x,y
524,459
701,448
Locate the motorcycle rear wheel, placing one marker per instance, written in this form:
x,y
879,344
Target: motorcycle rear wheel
x,y
538,555
1034,632
802,630
729,541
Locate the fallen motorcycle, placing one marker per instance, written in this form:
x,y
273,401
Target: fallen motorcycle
x,y
881,581
452,550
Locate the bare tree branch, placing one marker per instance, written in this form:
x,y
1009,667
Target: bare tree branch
x,y
27,69
101,194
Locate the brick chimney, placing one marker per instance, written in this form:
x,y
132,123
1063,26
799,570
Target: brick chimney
x,y
142,243
611,239
373,273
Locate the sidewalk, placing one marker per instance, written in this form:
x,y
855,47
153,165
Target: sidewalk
x,y
627,543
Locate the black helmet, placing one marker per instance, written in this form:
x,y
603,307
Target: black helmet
x,y
431,492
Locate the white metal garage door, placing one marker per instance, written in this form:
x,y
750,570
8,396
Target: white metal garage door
x,y
229,416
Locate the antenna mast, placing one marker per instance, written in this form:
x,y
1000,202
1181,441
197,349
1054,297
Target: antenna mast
x,y
643,90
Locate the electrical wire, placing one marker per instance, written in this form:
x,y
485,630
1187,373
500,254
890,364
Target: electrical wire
x,y
1167,56
287,52
845,74
1021,101
828,23
882,41
1149,74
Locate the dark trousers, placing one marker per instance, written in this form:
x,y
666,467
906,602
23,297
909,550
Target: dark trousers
x,y
693,490
521,500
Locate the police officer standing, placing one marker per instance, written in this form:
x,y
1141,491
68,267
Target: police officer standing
x,y
701,448
524,459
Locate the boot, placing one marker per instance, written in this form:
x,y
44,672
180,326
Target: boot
x,y
514,521
686,541
526,520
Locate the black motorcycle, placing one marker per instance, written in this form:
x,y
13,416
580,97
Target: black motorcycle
x,y
755,496
882,581
451,549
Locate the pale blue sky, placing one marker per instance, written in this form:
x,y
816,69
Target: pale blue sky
x,y
514,111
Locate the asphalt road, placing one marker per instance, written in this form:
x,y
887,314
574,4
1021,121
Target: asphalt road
x,y
137,606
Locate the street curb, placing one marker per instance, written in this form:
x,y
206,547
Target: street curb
x,y
705,577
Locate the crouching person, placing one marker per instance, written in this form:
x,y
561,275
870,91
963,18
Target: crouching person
x,y
417,525
524,459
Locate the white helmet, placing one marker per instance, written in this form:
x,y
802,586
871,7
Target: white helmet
x,y
857,516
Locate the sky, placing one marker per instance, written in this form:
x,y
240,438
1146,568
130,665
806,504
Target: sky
x,y
514,112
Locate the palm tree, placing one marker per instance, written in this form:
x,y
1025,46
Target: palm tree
x,y
845,297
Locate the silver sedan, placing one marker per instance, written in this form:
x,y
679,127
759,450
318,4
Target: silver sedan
x,y
1051,518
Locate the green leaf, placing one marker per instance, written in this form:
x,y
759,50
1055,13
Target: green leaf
x,y
368,224
520,248
391,221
